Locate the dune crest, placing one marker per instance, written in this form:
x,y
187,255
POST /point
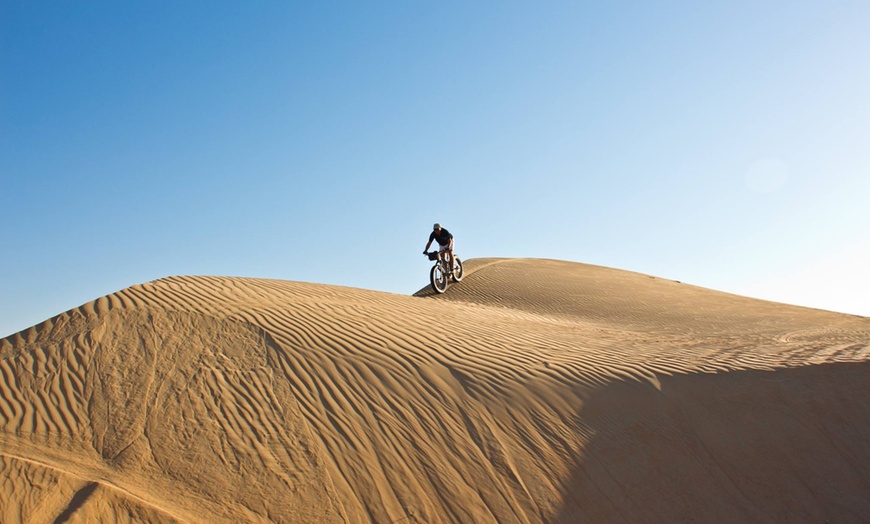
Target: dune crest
x,y
533,391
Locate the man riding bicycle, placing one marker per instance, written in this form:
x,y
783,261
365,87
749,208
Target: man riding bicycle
x,y
445,242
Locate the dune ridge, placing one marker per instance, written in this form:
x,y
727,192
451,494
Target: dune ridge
x,y
533,391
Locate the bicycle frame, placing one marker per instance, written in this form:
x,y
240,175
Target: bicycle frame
x,y
440,275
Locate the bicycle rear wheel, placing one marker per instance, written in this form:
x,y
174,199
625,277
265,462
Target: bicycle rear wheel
x,y
457,269
438,279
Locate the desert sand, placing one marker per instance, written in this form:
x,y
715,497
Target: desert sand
x,y
532,391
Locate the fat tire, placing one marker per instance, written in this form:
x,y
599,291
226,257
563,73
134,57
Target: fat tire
x,y
458,272
438,279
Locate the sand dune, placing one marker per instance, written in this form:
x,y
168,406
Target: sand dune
x,y
533,391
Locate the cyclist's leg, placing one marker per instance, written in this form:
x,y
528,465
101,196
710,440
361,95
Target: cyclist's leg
x,y
444,256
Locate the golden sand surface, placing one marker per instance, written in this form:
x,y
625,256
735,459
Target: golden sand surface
x,y
532,391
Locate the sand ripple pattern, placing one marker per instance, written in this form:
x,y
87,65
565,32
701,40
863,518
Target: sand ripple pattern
x,y
517,396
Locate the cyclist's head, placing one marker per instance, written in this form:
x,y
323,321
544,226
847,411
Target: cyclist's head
x,y
436,227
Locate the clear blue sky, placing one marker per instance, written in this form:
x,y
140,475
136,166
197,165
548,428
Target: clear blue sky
x,y
723,144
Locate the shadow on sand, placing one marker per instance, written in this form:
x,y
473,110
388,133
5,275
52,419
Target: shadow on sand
x,y
791,445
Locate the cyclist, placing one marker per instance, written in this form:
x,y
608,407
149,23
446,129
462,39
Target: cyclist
x,y
445,242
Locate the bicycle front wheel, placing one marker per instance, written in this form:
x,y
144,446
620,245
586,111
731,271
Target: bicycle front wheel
x,y
438,279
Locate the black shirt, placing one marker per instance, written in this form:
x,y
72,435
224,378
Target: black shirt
x,y
443,237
